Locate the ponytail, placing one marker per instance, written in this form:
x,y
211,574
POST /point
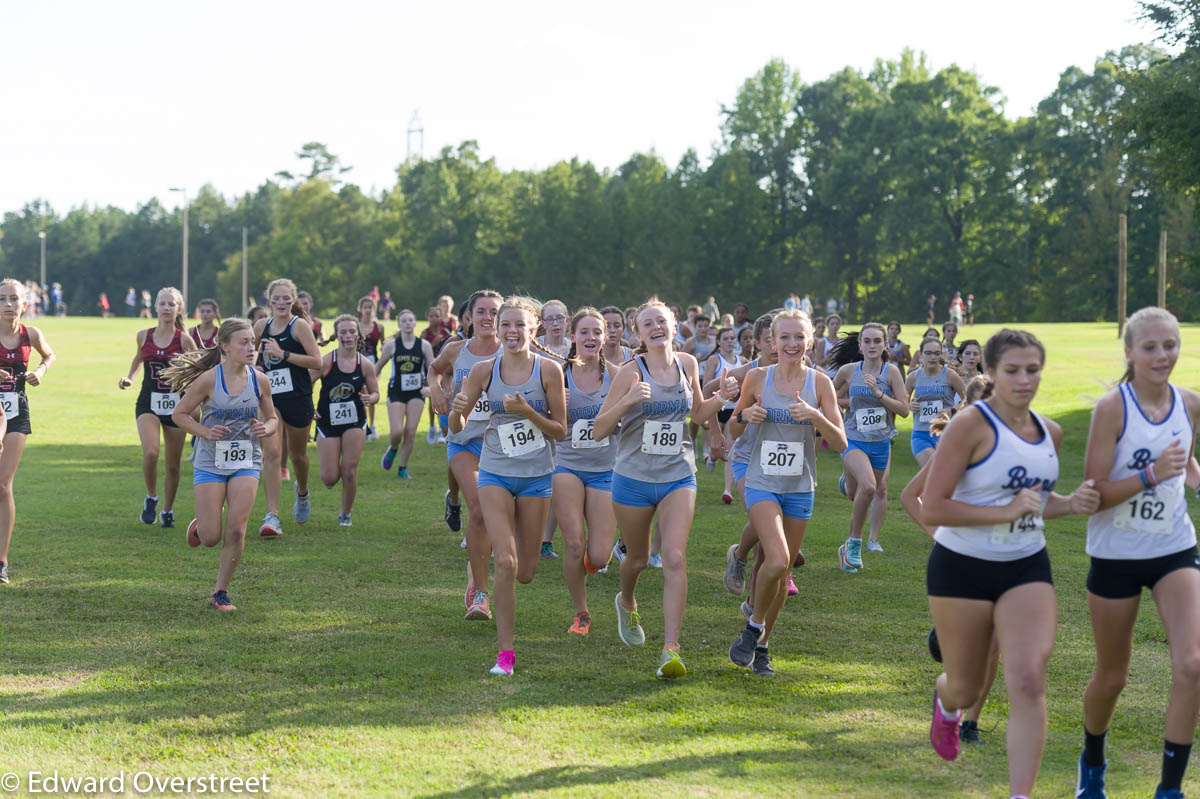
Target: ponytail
x,y
186,367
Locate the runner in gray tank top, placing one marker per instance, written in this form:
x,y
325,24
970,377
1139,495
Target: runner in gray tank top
x,y
872,392
463,449
931,388
583,471
237,412
652,399
786,402
528,411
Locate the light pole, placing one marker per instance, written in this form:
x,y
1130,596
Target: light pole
x,y
184,288
42,236
245,295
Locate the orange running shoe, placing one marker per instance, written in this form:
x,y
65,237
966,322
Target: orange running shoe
x,y
582,624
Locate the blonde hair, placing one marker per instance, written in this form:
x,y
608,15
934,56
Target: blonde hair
x,y
533,309
12,281
347,318
176,295
1139,317
652,303
979,388
804,319
297,308
186,367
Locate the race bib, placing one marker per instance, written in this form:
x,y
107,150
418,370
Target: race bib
x,y
343,413
161,404
870,420
232,455
410,381
782,458
662,438
1151,512
281,380
930,410
520,438
1015,534
482,411
582,435
11,404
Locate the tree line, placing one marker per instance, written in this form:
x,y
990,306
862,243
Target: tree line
x,y
880,186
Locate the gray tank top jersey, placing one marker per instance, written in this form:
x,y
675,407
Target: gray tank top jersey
x,y
580,451
782,445
472,428
240,449
702,350
934,394
866,419
744,445
654,445
510,447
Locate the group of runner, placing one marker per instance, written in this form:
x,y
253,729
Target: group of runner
x,y
588,415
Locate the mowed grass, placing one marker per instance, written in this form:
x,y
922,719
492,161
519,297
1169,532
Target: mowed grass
x,y
348,669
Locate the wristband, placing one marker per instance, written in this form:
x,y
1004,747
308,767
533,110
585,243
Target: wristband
x,y
1147,476
743,421
286,356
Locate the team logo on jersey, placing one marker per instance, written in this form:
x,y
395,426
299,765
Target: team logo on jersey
x,y
341,392
1018,478
1140,460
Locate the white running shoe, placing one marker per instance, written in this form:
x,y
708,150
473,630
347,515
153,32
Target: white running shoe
x,y
431,436
302,508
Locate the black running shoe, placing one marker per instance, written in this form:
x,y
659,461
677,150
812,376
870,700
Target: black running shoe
x,y
742,651
762,663
453,515
935,648
168,519
3,572
968,732
150,511
220,601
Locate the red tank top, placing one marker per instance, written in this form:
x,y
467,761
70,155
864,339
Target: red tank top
x,y
15,361
156,358
201,342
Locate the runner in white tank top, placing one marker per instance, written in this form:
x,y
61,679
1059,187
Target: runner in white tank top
x,y
990,486
1140,455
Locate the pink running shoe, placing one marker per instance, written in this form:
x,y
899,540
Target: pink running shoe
x,y
792,589
943,732
504,664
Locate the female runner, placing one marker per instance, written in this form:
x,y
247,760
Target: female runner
x,y
289,350
990,487
949,331
970,359
553,325
156,403
305,300
1139,451
583,472
348,387
823,349
370,334
463,448
525,392
931,389
614,351
717,366
898,352
410,358
435,335
16,341
786,402
655,470
872,391
236,414
204,335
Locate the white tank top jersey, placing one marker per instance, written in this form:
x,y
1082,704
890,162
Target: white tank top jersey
x,y
1013,464
1154,522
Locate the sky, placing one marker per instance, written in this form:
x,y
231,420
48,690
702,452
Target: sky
x,y
115,103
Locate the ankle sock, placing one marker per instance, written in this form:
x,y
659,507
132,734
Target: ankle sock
x,y
1093,748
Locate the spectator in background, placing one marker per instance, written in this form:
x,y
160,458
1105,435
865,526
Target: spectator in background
x,y
374,295
56,299
145,312
445,305
741,314
970,309
956,308
932,302
130,302
791,303
831,306
105,310
806,305
386,304
710,309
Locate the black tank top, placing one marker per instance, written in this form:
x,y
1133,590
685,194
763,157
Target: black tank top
x,y
340,389
407,362
299,384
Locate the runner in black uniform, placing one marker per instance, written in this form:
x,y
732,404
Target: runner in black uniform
x,y
407,389
348,388
289,350
156,402
370,333
16,340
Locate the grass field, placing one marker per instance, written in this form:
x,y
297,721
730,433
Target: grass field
x,y
349,671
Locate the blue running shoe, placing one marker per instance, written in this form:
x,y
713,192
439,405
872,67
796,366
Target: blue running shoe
x,y
1168,793
842,484
1091,781
150,510
388,457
